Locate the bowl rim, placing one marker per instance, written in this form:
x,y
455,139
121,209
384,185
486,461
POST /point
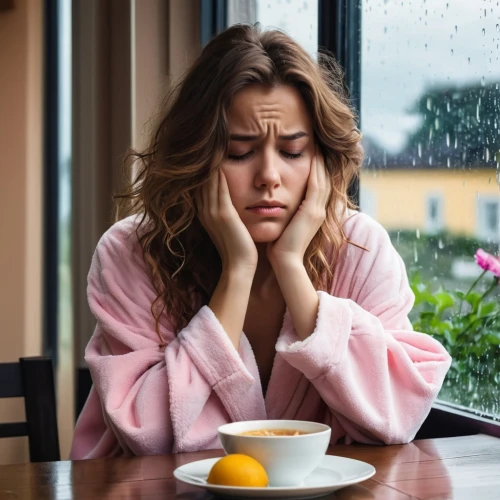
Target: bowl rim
x,y
222,429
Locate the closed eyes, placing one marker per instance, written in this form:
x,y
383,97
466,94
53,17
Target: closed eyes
x,y
290,156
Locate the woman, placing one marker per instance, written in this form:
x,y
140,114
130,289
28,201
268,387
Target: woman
x,y
241,223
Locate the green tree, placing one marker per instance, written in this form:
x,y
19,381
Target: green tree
x,y
459,127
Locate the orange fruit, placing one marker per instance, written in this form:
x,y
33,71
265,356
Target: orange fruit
x,y
238,470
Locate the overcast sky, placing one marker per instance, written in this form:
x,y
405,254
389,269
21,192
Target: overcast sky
x,y
406,47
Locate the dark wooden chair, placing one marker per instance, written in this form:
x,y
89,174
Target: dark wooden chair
x,y
33,379
83,386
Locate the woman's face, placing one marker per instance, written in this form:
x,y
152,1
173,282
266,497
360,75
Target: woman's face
x,y
270,153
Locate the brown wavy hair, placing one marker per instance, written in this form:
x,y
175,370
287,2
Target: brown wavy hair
x,y
192,136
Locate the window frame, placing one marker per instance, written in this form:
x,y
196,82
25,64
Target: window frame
x,y
339,33
213,19
51,182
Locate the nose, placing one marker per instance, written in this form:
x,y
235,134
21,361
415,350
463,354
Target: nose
x,y
267,174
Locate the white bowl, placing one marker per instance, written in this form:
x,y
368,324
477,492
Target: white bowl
x,y
288,460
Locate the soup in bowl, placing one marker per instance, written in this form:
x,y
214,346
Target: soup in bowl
x,y
289,450
273,432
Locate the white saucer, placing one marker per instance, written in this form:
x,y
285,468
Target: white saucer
x,y
332,474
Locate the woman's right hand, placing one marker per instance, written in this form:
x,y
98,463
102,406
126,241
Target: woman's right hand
x,y
225,227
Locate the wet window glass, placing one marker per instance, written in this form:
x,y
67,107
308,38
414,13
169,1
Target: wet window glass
x,y
430,115
298,18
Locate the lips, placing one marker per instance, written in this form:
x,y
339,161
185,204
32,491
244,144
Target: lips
x,y
267,204
267,208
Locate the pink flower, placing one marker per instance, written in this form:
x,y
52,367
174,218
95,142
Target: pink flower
x,y
488,262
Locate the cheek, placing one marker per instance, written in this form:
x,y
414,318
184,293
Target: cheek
x,y
235,182
298,180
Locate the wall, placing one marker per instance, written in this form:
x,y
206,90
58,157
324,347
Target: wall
x,y
168,32
399,196
21,44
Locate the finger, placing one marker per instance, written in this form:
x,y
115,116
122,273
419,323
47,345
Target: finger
x,y
225,197
323,180
200,198
319,167
312,182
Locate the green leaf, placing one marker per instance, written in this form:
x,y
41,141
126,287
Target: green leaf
x,y
487,309
423,296
444,301
451,336
493,339
415,279
474,299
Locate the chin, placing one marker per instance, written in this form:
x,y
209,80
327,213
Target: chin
x,y
265,234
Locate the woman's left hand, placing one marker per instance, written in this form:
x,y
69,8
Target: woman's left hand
x,y
290,247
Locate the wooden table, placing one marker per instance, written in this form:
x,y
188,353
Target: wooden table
x,y
460,468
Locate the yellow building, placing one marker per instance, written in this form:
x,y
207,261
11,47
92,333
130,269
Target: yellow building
x,y
465,202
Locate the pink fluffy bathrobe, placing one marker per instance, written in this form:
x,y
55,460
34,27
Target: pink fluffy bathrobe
x,y
363,371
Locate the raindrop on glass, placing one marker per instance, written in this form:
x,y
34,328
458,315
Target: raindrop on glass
x,y
448,139
440,243
420,150
417,234
456,28
483,32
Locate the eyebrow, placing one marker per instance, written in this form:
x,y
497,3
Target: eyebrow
x,y
249,138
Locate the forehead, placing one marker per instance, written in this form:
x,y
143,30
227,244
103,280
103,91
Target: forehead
x,y
257,103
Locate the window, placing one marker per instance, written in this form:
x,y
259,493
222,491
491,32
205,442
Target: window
x,y
488,218
430,116
58,157
424,78
434,213
298,18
